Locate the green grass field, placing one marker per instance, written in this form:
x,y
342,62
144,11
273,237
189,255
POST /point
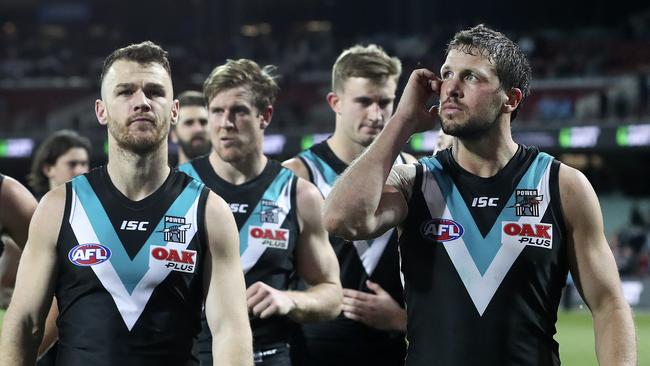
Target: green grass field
x,y
576,338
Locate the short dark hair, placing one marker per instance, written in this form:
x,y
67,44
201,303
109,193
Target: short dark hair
x,y
143,53
49,151
260,81
511,64
191,98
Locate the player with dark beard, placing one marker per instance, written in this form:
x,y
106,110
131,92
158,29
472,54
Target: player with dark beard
x,y
191,131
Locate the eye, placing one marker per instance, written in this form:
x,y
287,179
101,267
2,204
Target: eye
x,y
124,92
471,77
217,111
385,103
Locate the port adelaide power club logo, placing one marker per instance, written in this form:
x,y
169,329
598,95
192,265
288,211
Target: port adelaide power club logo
x,y
174,256
527,202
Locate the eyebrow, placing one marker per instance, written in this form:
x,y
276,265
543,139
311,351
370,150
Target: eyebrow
x,y
147,86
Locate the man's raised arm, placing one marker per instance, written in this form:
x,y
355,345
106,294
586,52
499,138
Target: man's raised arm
x,y
360,206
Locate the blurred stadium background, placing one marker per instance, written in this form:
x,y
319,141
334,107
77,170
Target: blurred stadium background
x,y
589,104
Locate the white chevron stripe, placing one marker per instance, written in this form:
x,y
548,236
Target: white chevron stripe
x,y
254,249
481,289
129,306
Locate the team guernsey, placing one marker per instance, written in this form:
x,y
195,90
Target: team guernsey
x,y
264,209
484,262
376,260
129,285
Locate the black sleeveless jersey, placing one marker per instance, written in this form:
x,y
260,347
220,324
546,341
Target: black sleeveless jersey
x,y
129,285
264,209
376,260
484,262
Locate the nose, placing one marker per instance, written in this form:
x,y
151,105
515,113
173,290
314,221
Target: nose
x,y
141,102
452,88
374,112
226,120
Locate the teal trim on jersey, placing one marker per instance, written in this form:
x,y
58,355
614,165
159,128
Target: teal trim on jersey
x,y
326,171
484,249
272,194
188,169
129,271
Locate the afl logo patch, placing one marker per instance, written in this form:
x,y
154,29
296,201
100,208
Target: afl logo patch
x,y
441,230
84,255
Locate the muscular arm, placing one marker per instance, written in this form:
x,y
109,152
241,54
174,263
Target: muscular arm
x,y
594,270
360,206
225,303
23,323
18,206
316,261
316,264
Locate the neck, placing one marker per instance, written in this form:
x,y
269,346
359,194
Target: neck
x,y
135,175
487,155
182,158
344,148
241,171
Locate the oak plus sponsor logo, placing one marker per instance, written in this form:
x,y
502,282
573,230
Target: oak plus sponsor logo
x,y
175,259
84,255
269,237
441,230
537,235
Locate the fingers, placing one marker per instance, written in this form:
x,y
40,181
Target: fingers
x,y
375,287
354,294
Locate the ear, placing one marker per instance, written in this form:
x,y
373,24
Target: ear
x,y
46,169
514,98
100,112
175,109
266,115
333,100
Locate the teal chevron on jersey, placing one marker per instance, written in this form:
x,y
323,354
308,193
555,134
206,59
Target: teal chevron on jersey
x,y
129,271
484,249
188,169
323,174
278,191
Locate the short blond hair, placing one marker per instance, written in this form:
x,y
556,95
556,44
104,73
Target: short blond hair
x,y
260,82
370,62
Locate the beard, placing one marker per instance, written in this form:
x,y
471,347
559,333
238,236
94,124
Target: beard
x,y
473,128
139,140
191,150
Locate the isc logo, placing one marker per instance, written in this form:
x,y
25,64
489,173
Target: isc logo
x,y
238,207
439,229
84,255
134,225
174,259
484,202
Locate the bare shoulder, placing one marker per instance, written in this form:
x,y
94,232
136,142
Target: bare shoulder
x,y
47,219
297,166
579,200
15,194
215,208
307,194
408,158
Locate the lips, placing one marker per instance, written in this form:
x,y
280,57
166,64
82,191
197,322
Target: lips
x,y
148,119
451,107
